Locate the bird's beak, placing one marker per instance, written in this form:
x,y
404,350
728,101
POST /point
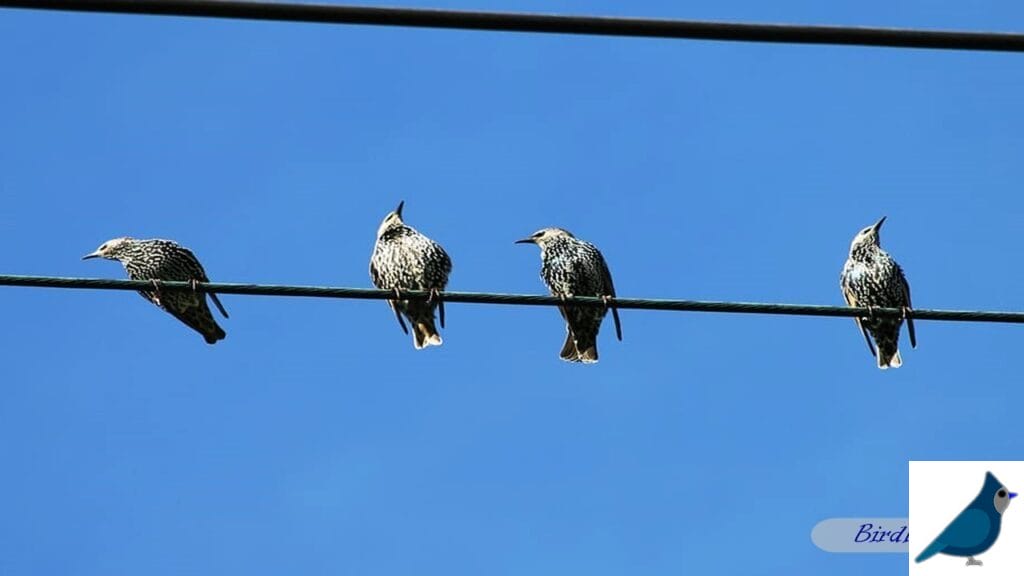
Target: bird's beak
x,y
399,209
529,240
878,224
95,254
1013,495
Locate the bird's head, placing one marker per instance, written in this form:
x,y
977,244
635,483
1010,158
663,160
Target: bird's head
x,y
867,237
115,249
995,490
545,236
392,220
1002,499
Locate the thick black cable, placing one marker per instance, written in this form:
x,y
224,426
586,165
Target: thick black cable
x,y
544,23
517,299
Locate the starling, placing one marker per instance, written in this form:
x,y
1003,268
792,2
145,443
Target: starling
x,y
572,267
404,260
157,260
872,279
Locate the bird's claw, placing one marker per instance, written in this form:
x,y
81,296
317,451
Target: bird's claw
x,y
906,312
195,285
871,311
398,313
435,296
609,303
156,290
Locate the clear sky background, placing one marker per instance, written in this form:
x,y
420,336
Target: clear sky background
x,y
315,440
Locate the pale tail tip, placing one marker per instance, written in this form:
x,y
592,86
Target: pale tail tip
x,y
895,362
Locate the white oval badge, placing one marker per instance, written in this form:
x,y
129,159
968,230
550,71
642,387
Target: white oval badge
x,y
865,535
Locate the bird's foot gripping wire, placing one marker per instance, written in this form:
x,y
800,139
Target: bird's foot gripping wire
x,y
871,311
972,562
195,285
906,312
398,314
156,290
609,302
435,296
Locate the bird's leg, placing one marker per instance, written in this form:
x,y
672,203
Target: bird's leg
x,y
871,312
972,562
906,312
195,285
156,290
398,314
435,296
608,299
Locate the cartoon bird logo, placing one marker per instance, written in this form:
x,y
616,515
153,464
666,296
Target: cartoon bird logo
x,y
976,528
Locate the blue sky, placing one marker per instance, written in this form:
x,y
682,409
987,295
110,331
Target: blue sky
x,y
315,440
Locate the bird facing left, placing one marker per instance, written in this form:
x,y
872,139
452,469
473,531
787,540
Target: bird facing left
x,y
158,260
405,260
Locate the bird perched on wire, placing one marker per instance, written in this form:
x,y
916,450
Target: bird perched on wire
x,y
872,279
975,529
163,260
404,260
571,267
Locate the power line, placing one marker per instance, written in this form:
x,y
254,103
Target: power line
x,y
516,299
544,23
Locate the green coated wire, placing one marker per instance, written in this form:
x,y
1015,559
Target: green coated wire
x,y
517,299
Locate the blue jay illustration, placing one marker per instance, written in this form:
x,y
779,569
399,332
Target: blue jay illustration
x,y
976,528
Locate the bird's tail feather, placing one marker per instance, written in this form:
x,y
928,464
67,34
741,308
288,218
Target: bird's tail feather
x,y
932,549
425,334
214,336
578,349
569,353
589,355
889,358
199,319
887,343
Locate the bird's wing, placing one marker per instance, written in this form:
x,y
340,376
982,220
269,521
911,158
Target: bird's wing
x,y
968,529
374,274
216,301
611,288
195,314
378,281
198,274
446,261
151,296
851,300
905,286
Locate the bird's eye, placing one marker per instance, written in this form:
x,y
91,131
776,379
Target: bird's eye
x,y
1002,494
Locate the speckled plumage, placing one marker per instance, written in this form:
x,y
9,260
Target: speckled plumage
x,y
571,267
405,260
871,278
168,261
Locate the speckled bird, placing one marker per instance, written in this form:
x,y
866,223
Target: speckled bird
x,y
405,260
872,279
571,267
163,260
